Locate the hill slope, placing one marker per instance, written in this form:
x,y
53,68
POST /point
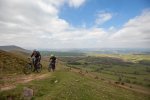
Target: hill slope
x,y
10,63
13,48
68,85
64,83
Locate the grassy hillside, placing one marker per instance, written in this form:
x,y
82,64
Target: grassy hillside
x,y
21,54
13,48
98,83
64,85
11,63
114,68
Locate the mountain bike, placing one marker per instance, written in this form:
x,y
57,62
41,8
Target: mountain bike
x,y
49,67
29,67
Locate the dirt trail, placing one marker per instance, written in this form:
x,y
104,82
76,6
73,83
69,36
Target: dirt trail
x,y
11,82
21,80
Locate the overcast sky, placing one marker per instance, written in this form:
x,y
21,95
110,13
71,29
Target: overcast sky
x,y
75,23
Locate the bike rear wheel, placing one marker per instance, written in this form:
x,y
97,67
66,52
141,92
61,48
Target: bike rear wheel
x,y
27,69
49,68
39,68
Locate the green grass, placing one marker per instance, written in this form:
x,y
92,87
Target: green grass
x,y
73,86
11,63
128,57
114,66
62,53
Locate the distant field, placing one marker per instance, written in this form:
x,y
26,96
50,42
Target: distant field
x,y
128,57
56,53
134,69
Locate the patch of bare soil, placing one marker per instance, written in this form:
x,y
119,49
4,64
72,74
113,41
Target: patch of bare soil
x,y
20,79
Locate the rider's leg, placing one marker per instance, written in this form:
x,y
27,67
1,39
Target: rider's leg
x,y
34,67
35,64
50,66
53,67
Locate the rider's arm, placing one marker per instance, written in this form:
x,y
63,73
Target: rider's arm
x,y
40,57
38,54
32,54
56,60
50,59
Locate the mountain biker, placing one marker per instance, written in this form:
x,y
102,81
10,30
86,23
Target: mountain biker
x,y
37,57
52,62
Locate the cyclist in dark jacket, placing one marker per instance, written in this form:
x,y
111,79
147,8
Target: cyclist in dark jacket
x,y
37,57
52,62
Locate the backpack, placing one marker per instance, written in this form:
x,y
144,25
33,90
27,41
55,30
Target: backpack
x,y
37,54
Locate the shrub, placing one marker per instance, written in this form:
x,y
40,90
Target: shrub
x,y
127,81
134,82
145,62
130,86
119,79
148,85
147,69
122,83
136,73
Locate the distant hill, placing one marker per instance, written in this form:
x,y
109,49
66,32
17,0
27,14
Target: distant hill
x,y
62,53
11,63
13,48
113,50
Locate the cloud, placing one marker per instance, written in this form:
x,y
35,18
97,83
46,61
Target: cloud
x,y
37,24
32,24
102,17
134,33
76,3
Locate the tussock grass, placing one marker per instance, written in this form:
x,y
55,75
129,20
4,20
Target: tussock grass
x,y
72,86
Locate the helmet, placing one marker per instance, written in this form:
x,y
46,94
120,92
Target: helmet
x,y
52,55
34,50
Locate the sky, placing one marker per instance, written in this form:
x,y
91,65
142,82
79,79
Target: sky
x,y
56,24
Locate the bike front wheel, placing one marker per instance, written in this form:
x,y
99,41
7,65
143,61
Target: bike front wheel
x,y
27,69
